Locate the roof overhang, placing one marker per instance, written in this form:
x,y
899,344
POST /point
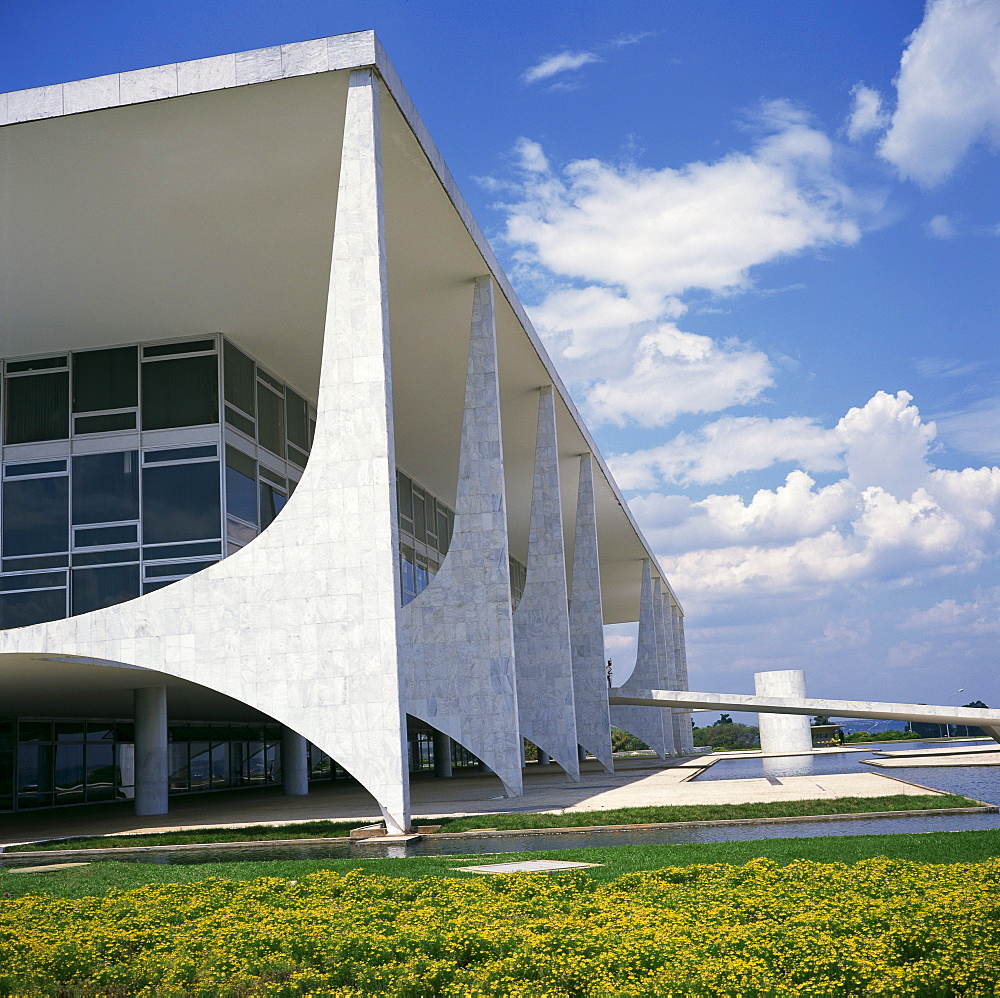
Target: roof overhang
x,y
200,197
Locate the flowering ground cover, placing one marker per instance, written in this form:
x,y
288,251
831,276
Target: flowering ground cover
x,y
878,927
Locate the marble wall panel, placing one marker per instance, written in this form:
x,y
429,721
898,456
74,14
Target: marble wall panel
x,y
542,647
647,723
326,568
456,642
586,627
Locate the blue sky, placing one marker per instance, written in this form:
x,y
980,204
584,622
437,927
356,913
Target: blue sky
x,y
761,240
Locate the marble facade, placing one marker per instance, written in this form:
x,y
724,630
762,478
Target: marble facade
x,y
306,623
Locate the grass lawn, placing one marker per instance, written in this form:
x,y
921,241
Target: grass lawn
x,y
618,816
96,879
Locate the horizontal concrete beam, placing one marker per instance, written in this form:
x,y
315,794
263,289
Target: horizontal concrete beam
x,y
976,716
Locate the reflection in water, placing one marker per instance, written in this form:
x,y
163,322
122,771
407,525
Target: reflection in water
x,y
789,765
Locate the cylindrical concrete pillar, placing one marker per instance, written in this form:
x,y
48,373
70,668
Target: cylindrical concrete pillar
x,y
151,750
543,758
581,753
294,763
442,754
782,734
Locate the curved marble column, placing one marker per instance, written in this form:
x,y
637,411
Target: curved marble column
x,y
456,642
643,722
686,743
586,627
545,700
301,623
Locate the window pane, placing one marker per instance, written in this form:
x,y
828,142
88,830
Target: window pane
x,y
419,516
187,346
240,378
272,502
106,487
270,421
404,495
298,419
181,503
105,379
241,485
182,392
38,407
107,535
36,364
104,424
96,588
35,516
22,609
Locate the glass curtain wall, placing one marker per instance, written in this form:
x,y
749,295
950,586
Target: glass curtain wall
x,y
126,469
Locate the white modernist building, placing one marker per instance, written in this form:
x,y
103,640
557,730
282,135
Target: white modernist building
x,y
289,482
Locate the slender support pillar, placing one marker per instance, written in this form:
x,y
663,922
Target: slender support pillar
x,y
456,640
686,743
586,628
581,752
151,748
544,759
645,723
782,733
294,763
544,657
442,754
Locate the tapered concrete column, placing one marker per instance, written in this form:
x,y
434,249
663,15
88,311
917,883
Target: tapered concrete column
x,y
782,733
545,702
456,640
294,763
586,628
647,724
687,738
151,750
442,754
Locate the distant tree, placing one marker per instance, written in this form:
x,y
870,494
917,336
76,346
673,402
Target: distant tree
x,y
727,736
724,719
622,741
977,703
821,719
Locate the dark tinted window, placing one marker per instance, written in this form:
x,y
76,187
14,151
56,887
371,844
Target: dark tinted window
x,y
241,485
297,419
22,609
181,503
183,392
38,407
35,516
240,378
106,487
272,502
270,421
96,588
105,379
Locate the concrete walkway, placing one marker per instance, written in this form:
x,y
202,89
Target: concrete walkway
x,y
638,782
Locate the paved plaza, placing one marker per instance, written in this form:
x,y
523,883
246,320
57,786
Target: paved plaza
x,y
642,782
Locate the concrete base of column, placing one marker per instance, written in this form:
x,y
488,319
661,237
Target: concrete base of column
x,y
442,754
782,733
151,748
294,763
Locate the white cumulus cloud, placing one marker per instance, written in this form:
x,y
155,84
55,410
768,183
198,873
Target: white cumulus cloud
x,y
561,62
868,113
891,517
941,227
617,246
948,90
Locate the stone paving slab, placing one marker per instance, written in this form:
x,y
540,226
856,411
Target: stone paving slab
x,y
526,866
926,762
